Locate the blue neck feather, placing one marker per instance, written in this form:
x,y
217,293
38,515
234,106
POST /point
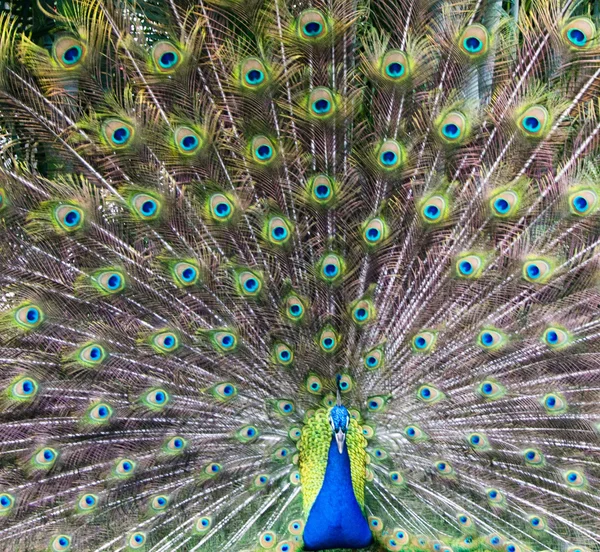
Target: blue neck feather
x,y
336,519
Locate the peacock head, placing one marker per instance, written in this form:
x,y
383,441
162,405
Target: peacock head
x,y
339,418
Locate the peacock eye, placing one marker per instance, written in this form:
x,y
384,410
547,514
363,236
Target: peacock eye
x,y
100,413
505,204
225,341
537,270
554,403
396,478
314,385
69,52
376,524
283,354
261,480
203,524
285,407
60,543
156,399
491,339
331,268
282,453
187,140
478,441
395,67
328,340
583,202
465,520
175,445
263,150
491,390
185,274
363,312
294,308
374,359
45,458
574,479
253,74
534,121
474,41
213,469
249,283
345,383
136,540
24,389
159,502
165,342
224,391
124,468
312,25
29,317
469,266
166,57
374,231
424,341
443,468
578,33
434,209
322,190
247,434
87,503
117,133
321,103
7,502
429,394
453,128
109,281
414,433
391,155
376,403
295,433
495,541
278,230
538,523
368,431
533,457
221,208
69,217
495,496
267,539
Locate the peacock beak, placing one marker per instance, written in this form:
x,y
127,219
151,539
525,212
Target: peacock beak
x,y
340,438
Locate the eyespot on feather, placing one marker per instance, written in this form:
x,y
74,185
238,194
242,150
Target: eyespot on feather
x,y
474,41
69,52
312,25
167,58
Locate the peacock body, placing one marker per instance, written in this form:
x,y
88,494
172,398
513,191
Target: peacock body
x,y
300,276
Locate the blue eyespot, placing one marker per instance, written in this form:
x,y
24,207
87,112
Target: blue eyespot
x,y
284,355
33,315
331,269
388,157
178,443
120,135
361,314
577,37
251,285
411,432
189,142
502,206
159,397
72,218
532,124
138,538
72,55
254,77
227,341
322,191
264,151
426,392
126,466
420,342
149,207
432,212
48,455
466,267
279,233
328,342
533,271
313,28
114,281
168,342
222,209
372,361
168,60
103,412
395,70
580,203
451,131
495,540
189,274
472,44
228,390
321,106
493,494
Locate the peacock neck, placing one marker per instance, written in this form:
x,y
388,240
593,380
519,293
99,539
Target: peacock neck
x,y
336,519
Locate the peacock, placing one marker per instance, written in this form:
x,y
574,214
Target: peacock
x,y
300,275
